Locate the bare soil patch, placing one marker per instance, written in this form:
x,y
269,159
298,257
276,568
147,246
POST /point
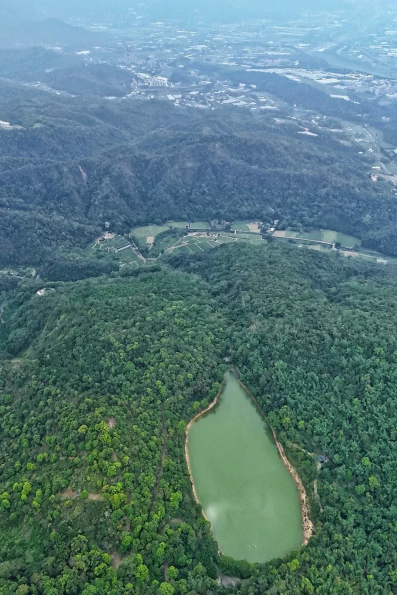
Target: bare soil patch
x,y
111,423
69,494
176,521
228,581
95,497
116,560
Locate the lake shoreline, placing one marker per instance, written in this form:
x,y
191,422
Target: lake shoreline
x,y
307,524
187,457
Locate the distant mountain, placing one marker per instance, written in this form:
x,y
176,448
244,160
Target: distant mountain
x,y
33,63
16,33
64,71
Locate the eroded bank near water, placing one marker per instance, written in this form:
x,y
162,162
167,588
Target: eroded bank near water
x,y
246,491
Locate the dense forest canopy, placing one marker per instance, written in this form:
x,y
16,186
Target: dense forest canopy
x,y
99,379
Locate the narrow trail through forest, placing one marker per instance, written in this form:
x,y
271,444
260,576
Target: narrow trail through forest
x,y
315,487
319,467
2,321
159,473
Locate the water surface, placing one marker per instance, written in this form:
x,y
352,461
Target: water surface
x,y
245,490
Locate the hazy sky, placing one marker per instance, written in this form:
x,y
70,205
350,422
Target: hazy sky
x,y
160,9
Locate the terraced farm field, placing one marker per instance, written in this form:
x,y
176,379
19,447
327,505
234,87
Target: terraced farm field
x,y
129,256
197,242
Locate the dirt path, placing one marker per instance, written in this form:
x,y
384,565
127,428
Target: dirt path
x,y
116,560
95,497
136,251
319,466
138,254
159,473
69,494
315,487
307,524
2,321
83,173
316,494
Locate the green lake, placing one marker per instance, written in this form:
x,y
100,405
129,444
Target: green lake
x,y
246,492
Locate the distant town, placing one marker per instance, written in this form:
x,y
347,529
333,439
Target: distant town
x,y
211,67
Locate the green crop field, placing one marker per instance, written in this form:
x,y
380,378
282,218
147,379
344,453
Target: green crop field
x,y
205,245
240,225
316,235
345,240
183,249
325,235
195,247
177,224
190,239
200,224
226,239
116,242
147,231
129,256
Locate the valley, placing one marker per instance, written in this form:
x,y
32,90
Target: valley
x,y
182,237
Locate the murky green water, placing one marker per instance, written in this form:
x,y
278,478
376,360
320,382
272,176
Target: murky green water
x,y
243,486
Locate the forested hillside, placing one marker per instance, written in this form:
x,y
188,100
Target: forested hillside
x,y
92,161
99,378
